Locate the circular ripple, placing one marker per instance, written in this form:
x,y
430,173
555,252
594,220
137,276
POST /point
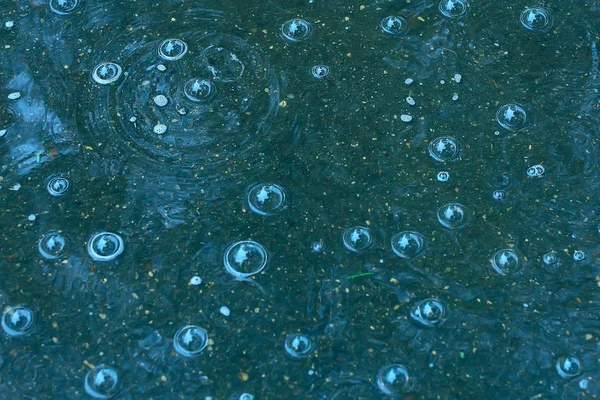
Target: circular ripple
x,y
190,340
453,8
299,345
320,71
245,258
453,215
197,89
223,64
537,19
58,186
394,25
267,199
172,49
506,262
105,246
511,117
296,30
106,73
568,367
429,313
408,244
52,245
17,320
394,379
444,148
357,238
63,7
102,382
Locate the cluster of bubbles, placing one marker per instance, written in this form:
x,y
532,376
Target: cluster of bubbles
x,y
102,246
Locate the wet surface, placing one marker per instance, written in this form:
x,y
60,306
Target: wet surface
x,y
299,199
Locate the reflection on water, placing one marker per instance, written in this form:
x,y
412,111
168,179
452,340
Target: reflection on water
x,y
312,198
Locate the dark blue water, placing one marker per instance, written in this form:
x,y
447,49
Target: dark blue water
x,y
299,199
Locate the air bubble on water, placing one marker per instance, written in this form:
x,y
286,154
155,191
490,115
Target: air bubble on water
x,y
455,97
406,118
568,367
9,24
190,340
536,171
358,238
408,81
320,71
195,281
453,8
394,25
161,100
197,89
511,117
31,217
318,246
15,187
106,73
429,313
299,345
102,382
411,101
105,246
443,176
408,244
267,199
296,30
394,380
225,311
58,186
506,262
161,67
159,129
63,7
245,258
172,49
2,132
457,78
17,320
537,19
444,148
453,215
578,255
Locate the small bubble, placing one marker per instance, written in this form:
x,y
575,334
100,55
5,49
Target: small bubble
x,y
17,320
225,311
406,118
159,129
411,101
102,382
9,24
195,281
161,67
408,81
299,345
578,255
296,30
394,25
443,176
455,97
320,71
161,100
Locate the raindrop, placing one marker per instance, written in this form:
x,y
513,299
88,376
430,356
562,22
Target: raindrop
x,y
453,8
106,73
17,320
172,49
197,89
245,258
429,313
357,238
102,382
453,215
408,244
506,262
320,71
296,30
105,246
190,340
58,186
394,25
63,7
444,148
299,345
537,19
52,245
267,199
568,367
512,117
393,379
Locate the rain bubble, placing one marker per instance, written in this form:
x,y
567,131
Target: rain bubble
x,y
246,396
443,176
357,238
190,340
296,30
453,8
568,367
499,195
551,260
106,73
536,171
245,258
267,199
537,19
102,382
394,25
429,313
318,247
320,71
512,117
578,255
299,345
172,49
393,379
17,320
52,245
453,215
506,262
408,244
58,186
63,7
444,148
105,246
197,89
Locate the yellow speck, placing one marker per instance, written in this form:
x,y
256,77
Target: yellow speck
x,y
88,148
421,19
282,103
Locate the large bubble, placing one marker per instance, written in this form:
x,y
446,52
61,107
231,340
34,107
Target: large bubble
x,y
394,380
267,199
245,258
190,340
408,244
18,320
511,117
105,246
453,215
506,262
296,30
102,382
357,238
537,19
429,313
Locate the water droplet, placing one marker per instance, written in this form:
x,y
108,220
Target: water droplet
x,y
511,117
267,199
320,71
537,19
444,148
197,89
408,244
393,379
453,215
506,262
296,30
105,246
161,100
568,367
52,245
17,320
453,8
429,313
106,73
357,238
102,382
394,25
190,340
58,186
172,49
299,345
63,7
245,258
